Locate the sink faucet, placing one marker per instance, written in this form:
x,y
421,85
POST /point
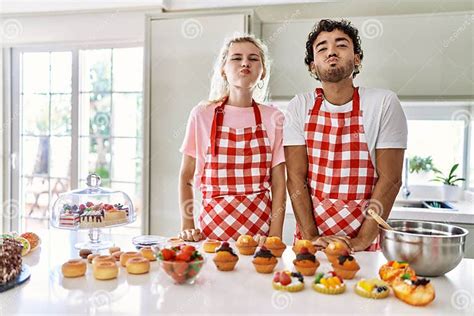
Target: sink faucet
x,y
405,191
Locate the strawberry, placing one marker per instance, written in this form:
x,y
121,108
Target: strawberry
x,y
276,277
180,267
167,254
82,207
189,249
183,256
89,204
285,279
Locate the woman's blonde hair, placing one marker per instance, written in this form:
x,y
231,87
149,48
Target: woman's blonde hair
x,y
220,86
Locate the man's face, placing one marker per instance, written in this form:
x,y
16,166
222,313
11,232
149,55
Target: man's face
x,y
334,57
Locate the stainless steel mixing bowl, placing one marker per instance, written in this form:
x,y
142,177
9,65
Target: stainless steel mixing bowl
x,y
432,249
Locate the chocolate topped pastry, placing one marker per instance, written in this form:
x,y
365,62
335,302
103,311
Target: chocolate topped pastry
x,y
264,253
304,254
343,259
226,247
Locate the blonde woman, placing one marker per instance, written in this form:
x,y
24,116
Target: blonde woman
x,y
233,151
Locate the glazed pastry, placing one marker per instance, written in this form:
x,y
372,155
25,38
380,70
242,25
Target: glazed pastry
x,y
105,270
83,253
225,258
113,249
175,241
346,267
124,257
148,253
275,245
372,288
264,261
300,243
305,262
92,256
102,258
117,255
210,245
336,249
413,290
246,245
74,268
329,283
392,270
138,265
288,281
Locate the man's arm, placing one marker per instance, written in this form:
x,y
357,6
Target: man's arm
x,y
297,171
389,170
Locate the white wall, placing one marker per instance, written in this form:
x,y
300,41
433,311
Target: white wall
x,y
73,28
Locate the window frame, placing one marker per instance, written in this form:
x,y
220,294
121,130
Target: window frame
x,y
12,134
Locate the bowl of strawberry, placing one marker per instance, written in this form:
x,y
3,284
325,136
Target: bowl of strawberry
x,y
182,263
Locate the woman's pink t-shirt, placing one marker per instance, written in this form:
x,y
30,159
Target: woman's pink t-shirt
x,y
198,131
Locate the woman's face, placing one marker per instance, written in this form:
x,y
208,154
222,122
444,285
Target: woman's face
x,y
243,67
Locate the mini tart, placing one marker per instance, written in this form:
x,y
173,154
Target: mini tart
x,y
264,261
329,283
210,245
246,245
334,250
300,243
275,245
225,258
305,262
393,270
346,267
372,288
288,281
413,291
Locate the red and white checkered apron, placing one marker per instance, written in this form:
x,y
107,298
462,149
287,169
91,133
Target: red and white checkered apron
x,y
341,175
236,180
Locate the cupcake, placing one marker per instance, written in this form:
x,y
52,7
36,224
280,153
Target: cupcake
x,y
305,262
246,245
336,249
413,291
300,243
288,281
264,261
328,283
210,245
225,258
346,267
393,270
372,288
275,245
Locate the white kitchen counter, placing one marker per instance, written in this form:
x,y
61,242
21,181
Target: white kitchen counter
x,y
240,291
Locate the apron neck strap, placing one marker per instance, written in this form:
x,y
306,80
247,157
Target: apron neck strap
x,y
320,96
219,119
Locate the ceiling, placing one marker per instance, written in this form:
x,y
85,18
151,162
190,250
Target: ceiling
x,y
268,10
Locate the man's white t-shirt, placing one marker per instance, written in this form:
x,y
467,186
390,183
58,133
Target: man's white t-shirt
x,y
384,122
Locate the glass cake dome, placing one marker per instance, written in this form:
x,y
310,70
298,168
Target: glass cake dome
x,y
92,208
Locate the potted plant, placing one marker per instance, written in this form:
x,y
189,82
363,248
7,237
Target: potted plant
x,y
420,167
451,192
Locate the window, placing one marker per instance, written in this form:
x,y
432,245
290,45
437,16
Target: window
x,y
439,130
80,111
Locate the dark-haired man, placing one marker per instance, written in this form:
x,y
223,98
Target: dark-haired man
x,y
344,145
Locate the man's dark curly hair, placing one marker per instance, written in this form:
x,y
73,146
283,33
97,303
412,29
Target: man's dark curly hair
x,y
329,26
